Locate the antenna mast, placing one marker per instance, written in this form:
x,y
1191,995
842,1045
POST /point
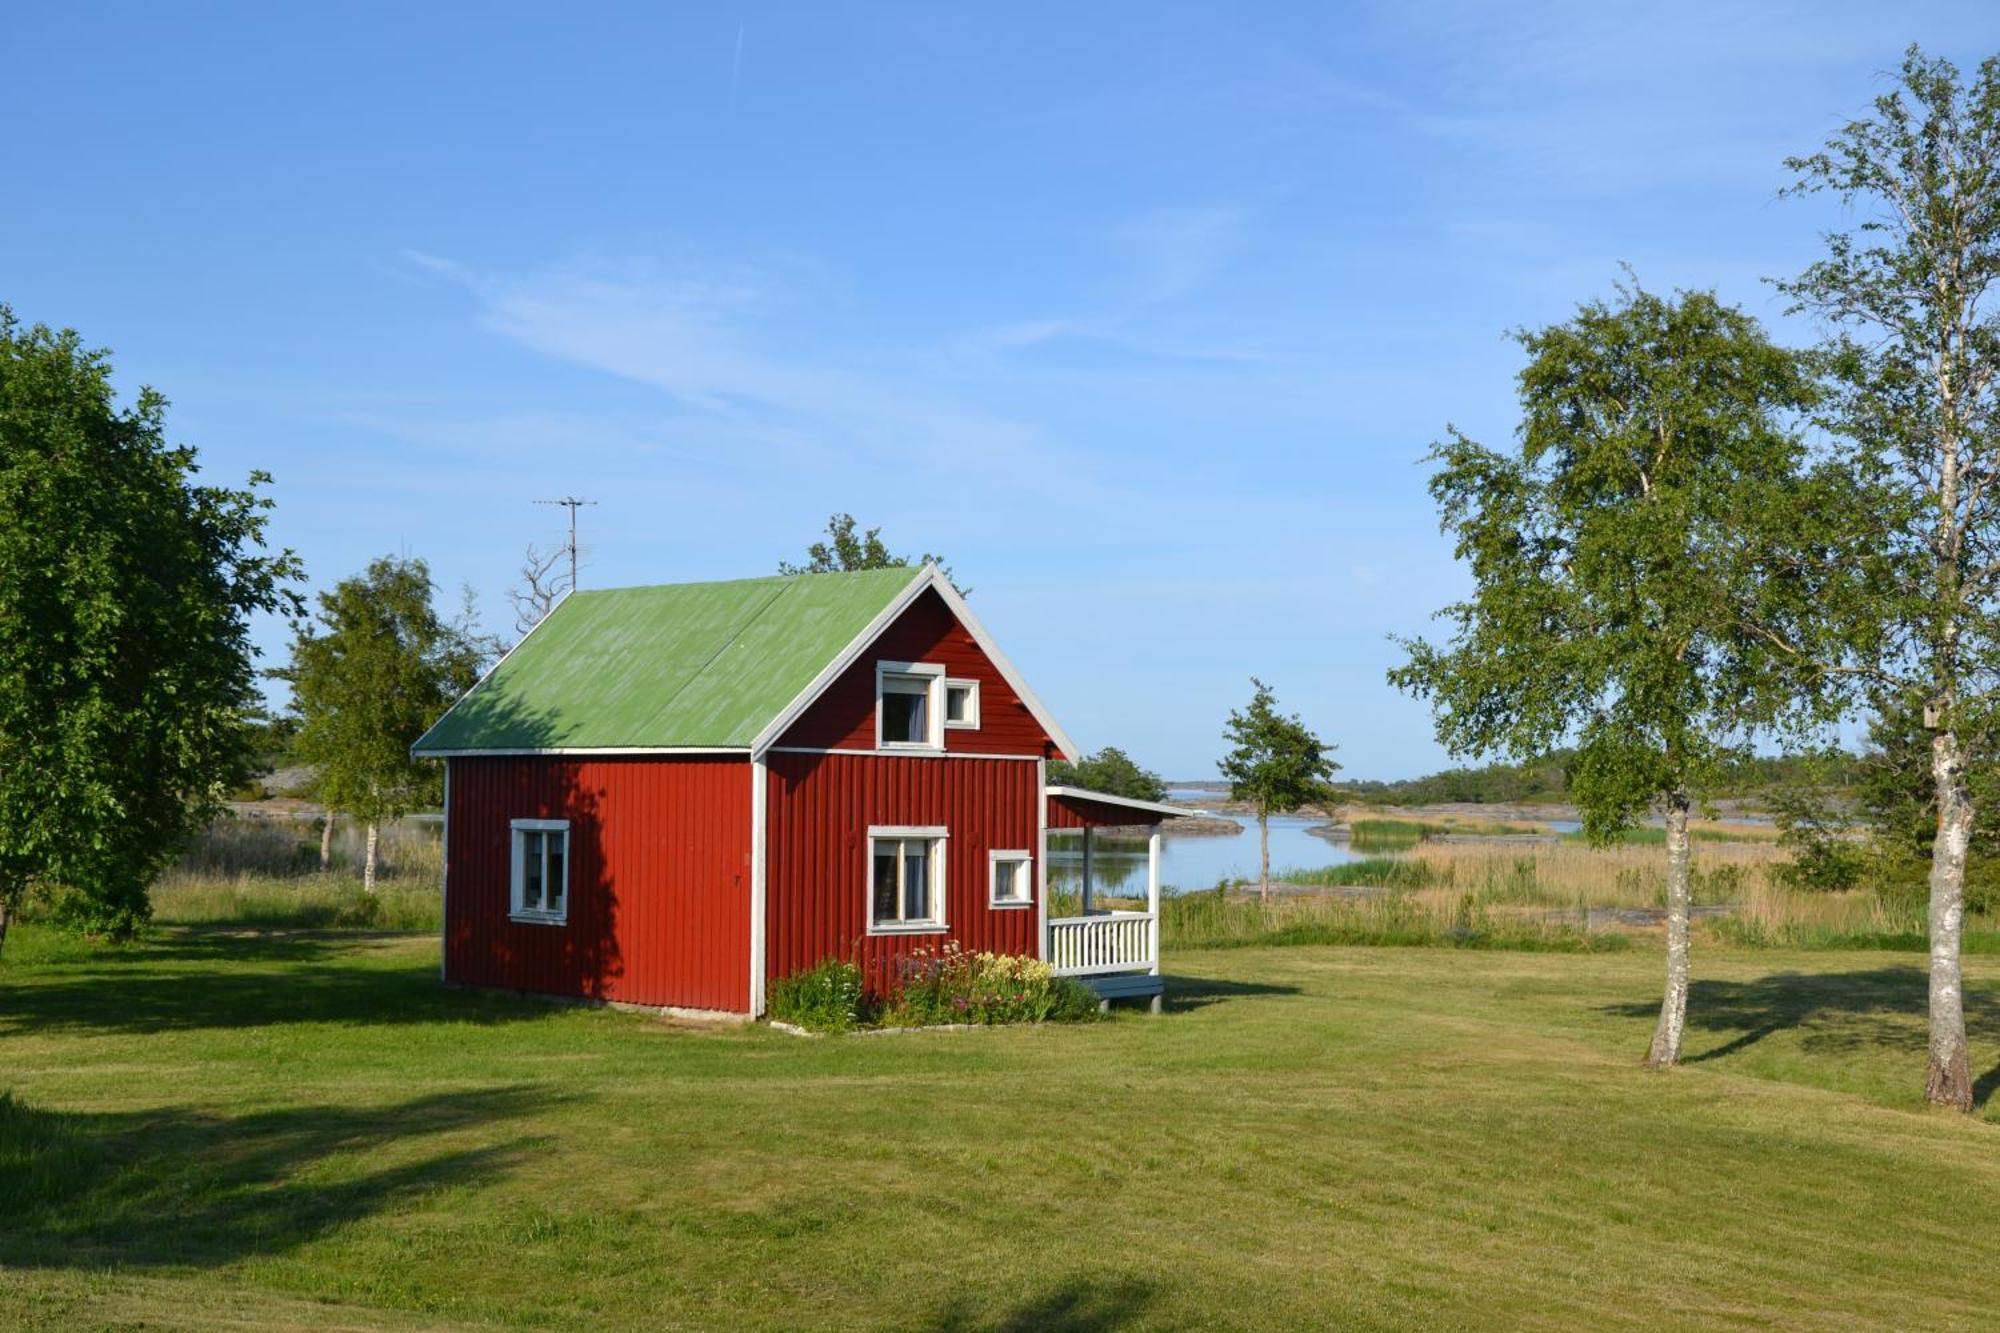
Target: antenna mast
x,y
571,503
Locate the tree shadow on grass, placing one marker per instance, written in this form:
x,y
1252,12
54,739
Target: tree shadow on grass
x,y
1839,1013
1189,993
179,1186
129,997
1075,1306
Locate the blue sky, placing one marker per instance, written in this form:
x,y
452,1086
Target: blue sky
x,y
1143,314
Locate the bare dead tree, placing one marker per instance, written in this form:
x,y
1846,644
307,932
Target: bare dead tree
x,y
545,577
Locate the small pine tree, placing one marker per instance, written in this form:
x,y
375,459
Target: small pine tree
x,y
1277,764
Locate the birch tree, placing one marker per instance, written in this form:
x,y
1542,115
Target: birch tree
x,y
1616,557
1277,764
1912,349
378,668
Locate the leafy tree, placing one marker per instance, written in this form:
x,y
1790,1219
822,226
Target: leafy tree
x,y
1614,559
376,670
1109,770
845,551
1277,764
125,660
1911,355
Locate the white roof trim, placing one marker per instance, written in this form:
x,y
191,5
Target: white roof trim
x,y
1123,802
929,576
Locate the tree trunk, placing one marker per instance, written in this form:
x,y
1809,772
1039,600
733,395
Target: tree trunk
x,y
368,866
1666,1049
6,915
1949,1081
1263,858
326,842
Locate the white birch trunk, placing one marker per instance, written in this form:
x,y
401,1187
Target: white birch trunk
x,y
368,866
326,842
1666,1049
1949,1080
1263,858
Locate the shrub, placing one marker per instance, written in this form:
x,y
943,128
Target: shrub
x,y
948,985
827,997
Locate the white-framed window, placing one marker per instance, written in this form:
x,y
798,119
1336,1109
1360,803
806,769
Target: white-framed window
x,y
909,706
1010,878
541,871
905,880
961,704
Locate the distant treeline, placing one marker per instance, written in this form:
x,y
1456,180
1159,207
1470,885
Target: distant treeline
x,y
1546,780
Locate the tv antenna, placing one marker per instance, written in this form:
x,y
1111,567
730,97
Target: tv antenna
x,y
571,503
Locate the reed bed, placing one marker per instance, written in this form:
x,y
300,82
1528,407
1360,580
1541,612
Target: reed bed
x,y
1218,919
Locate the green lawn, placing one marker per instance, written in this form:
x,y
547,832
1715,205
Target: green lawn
x,y
286,1129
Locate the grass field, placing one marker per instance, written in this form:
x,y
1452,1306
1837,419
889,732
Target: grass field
x,y
291,1129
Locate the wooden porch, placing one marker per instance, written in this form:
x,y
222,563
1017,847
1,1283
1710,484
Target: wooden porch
x,y
1115,952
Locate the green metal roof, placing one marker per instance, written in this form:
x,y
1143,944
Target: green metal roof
x,y
681,664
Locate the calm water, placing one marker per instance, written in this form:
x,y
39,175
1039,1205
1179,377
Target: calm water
x,y
1119,867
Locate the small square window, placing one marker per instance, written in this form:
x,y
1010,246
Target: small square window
x,y
961,704
1011,879
540,889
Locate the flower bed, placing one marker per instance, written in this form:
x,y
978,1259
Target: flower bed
x,y
944,987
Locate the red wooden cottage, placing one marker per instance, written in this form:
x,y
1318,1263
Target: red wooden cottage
x,y
669,795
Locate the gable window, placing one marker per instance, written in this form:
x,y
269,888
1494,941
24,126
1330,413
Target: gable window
x,y
541,871
1010,879
905,880
961,704
909,706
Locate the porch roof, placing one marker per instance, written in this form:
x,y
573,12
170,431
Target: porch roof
x,y
1079,807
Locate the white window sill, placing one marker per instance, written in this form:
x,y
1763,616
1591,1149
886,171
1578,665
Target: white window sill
x,y
1011,904
539,918
912,928
907,747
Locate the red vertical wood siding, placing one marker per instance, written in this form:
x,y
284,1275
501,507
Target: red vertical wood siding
x,y
844,716
659,878
819,810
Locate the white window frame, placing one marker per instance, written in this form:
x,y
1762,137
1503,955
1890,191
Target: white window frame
x,y
939,838
933,677
970,722
518,878
1020,869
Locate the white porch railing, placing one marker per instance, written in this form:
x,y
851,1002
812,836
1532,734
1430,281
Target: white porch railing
x,y
1102,942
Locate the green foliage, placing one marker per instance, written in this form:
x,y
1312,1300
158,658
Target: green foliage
x,y
1387,872
1546,779
1276,762
1615,555
125,660
375,671
827,997
1109,770
1911,364
844,551
1825,853
948,985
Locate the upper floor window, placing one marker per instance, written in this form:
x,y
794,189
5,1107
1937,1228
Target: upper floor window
x,y
910,706
961,704
541,871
